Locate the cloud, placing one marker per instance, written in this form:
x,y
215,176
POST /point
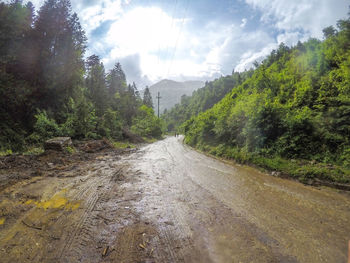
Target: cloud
x,y
159,46
131,65
152,41
165,48
244,22
291,21
248,58
93,14
309,15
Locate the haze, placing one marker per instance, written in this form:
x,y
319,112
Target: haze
x,y
197,40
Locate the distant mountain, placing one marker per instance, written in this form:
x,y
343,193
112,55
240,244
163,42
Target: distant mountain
x,y
171,92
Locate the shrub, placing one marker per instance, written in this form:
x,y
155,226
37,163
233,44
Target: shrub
x,y
110,126
44,128
146,123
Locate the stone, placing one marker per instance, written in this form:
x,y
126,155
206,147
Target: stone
x,y
57,143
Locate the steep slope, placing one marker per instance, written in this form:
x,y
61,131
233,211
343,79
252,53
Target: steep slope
x,y
296,105
203,99
171,92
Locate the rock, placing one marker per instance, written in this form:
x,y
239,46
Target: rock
x,y
276,174
133,138
96,146
58,143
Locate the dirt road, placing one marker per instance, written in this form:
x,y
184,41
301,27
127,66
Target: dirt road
x,y
168,203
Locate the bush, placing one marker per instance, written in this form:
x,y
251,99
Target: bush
x,y
81,121
345,157
11,138
146,123
110,126
44,128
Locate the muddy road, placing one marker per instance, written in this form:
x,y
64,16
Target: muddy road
x,y
165,203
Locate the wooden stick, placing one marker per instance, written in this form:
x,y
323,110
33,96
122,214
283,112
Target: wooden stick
x,y
35,227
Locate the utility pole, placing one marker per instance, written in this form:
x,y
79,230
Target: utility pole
x,y
158,98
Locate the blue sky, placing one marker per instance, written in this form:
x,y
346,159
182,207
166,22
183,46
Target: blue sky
x,y
197,39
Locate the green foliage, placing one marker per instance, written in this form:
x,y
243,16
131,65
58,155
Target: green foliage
x,y
202,99
33,150
5,153
123,145
11,138
295,104
70,149
110,125
96,84
44,128
81,120
147,98
46,87
146,123
302,170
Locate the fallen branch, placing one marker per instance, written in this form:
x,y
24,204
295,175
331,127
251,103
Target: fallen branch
x,y
105,251
31,226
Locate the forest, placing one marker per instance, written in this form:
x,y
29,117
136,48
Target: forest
x,y
290,114
48,88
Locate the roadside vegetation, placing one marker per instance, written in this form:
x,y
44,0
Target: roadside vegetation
x,y
48,89
290,114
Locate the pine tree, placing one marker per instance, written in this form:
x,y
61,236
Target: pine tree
x,y
96,84
60,45
147,98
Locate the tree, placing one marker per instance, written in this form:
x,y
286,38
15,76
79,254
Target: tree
x,y
116,80
147,98
96,84
16,112
329,31
146,123
59,45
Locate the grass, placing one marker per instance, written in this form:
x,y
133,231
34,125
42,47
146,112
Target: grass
x,y
70,149
149,140
302,170
5,153
33,150
123,145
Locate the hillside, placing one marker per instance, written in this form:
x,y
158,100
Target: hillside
x,y
171,92
203,99
295,105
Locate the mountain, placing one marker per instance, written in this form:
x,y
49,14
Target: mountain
x,y
295,105
203,99
171,92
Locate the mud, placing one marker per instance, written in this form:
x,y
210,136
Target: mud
x,y
163,203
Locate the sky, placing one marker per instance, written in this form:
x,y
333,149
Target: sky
x,y
197,39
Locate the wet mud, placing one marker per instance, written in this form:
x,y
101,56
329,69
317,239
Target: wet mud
x,y
164,203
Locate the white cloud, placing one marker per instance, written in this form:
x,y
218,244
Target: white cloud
x,y
310,15
142,30
248,58
92,16
146,32
167,49
244,22
296,20
151,44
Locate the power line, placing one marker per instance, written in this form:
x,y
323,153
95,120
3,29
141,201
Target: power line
x,y
160,41
178,37
171,27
